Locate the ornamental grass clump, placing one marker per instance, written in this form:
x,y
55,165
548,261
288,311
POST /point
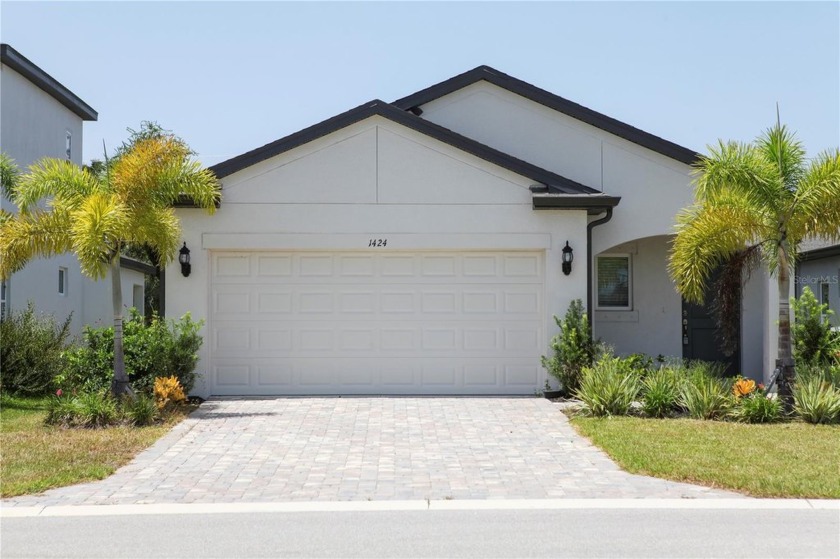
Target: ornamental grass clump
x,y
758,408
660,393
140,411
608,388
88,409
816,401
705,396
168,393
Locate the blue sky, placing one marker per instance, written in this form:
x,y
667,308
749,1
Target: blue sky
x,y
228,77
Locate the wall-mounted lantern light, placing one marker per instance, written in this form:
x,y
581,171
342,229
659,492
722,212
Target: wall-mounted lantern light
x,y
184,259
568,256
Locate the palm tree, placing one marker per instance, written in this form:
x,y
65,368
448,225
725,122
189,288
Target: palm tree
x,y
65,208
764,197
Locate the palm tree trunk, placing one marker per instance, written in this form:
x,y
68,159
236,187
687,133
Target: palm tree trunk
x,y
784,361
120,385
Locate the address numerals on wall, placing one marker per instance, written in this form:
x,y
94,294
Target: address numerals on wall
x,y
378,243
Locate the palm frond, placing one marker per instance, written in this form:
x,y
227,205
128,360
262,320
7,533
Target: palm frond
x,y
9,175
159,229
781,149
59,179
816,208
26,236
740,168
98,228
709,234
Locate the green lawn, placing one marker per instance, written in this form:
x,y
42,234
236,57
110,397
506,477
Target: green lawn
x,y
778,460
35,457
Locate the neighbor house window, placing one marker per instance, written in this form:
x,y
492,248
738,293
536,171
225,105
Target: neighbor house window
x,y
62,281
824,297
68,143
612,278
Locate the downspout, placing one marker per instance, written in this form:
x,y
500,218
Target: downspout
x,y
589,227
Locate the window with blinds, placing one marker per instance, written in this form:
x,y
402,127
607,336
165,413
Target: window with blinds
x,y
612,276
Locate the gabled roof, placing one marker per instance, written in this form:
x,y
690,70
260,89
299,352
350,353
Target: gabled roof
x,y
586,197
22,65
552,101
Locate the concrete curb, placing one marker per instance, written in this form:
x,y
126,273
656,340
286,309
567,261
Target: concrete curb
x,y
421,505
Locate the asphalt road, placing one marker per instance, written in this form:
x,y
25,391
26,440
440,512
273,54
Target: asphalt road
x,y
434,533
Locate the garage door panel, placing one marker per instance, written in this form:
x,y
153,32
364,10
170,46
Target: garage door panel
x,y
389,323
274,266
275,375
302,376
525,375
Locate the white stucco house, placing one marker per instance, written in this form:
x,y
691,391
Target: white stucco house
x,y
415,247
40,117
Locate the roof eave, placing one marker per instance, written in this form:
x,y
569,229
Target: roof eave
x,y
820,253
593,203
22,65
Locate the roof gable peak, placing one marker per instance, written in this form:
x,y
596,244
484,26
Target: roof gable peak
x,y
552,101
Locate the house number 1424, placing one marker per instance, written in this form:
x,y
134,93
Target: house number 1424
x,y
378,243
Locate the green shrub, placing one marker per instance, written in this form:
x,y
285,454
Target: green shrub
x,y
709,369
159,348
813,341
609,387
705,396
31,351
140,411
573,348
660,393
757,408
87,409
816,401
825,373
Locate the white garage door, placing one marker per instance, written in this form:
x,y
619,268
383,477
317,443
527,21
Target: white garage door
x,y
376,323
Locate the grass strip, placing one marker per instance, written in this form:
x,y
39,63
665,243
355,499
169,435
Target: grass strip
x,y
777,460
36,457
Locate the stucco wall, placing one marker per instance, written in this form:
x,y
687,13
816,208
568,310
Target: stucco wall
x,y
34,125
376,179
653,324
576,150
753,324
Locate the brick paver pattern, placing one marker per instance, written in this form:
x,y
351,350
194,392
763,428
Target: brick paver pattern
x,y
337,449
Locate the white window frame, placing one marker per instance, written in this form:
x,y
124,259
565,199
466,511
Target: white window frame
x,y
62,281
68,144
629,258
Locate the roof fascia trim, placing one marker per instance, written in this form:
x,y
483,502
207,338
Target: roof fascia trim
x,y
552,101
594,203
820,253
22,65
137,266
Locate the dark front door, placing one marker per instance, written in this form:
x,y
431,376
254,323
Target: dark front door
x,y
700,335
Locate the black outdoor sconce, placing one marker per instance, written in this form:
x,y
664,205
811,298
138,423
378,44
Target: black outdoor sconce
x,y
568,256
184,259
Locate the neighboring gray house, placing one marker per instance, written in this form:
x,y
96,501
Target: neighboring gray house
x,y
417,247
40,117
819,269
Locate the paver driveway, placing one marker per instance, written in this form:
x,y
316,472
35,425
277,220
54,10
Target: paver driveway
x,y
327,449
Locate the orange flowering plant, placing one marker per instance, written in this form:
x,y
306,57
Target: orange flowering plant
x,y
745,387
